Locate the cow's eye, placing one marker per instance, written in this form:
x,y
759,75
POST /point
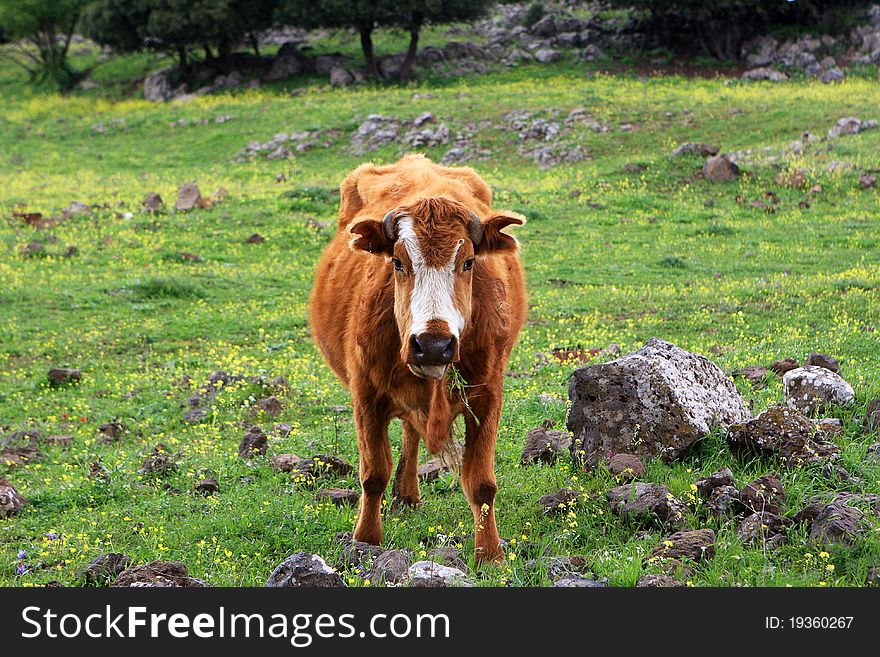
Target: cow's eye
x,y
468,264
398,265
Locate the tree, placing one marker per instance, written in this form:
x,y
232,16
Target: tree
x,y
412,15
42,30
366,16
178,26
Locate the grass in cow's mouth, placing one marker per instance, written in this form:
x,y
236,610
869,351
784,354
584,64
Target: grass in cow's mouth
x,y
613,254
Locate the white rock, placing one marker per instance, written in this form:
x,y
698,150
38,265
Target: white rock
x,y
813,389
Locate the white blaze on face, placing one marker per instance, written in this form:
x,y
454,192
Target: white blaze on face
x,y
434,289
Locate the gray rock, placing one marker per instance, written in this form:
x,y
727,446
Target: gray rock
x,y
339,77
427,574
783,432
836,523
641,499
157,87
579,583
339,496
657,401
152,202
544,445
765,74
851,125
560,501
695,545
304,570
626,467
724,500
288,62
823,360
253,444
158,574
11,502
832,75
447,556
763,528
719,478
547,55
64,375
764,494
556,567
104,568
390,567
812,389
872,416
720,169
189,197
696,148
658,580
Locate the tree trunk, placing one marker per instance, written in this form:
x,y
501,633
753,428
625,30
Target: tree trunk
x,y
369,55
182,63
411,52
255,43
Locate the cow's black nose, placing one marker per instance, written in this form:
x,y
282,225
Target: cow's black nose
x,y
433,349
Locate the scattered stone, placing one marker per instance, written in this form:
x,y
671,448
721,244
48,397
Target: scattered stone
x,y
836,523
720,169
322,464
657,401
832,75
427,574
19,456
208,486
780,367
61,441
289,61
560,501
159,461
556,567
544,444
872,416
110,431
695,545
390,567
355,554
271,406
765,73
812,389
755,373
63,375
76,208
794,179
448,556
763,528
851,126
723,500
547,55
189,197
303,569
641,499
339,496
696,148
253,444
285,462
719,478
103,569
11,502
830,426
339,77
867,181
658,580
823,360
626,467
157,87
783,432
256,238
158,574
578,582
430,471
764,494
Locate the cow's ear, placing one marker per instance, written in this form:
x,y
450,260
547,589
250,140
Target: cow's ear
x,y
495,240
369,235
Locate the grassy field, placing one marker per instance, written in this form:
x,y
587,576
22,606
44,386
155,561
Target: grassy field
x,y
611,257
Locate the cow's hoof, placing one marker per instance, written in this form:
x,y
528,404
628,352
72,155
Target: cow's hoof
x,y
405,502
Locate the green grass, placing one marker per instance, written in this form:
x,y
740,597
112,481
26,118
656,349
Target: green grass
x,y
610,257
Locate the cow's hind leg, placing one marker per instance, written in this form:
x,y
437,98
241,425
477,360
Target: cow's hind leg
x,y
478,482
406,478
375,468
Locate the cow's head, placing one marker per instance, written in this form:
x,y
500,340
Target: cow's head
x,y
433,247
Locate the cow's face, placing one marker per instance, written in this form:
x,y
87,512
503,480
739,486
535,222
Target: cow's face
x,y
433,248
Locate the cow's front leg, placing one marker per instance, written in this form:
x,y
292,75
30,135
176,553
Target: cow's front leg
x,y
478,476
371,423
406,478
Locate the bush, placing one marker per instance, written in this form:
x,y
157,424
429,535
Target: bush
x,y
534,13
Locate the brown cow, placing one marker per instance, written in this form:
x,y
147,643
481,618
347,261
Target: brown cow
x,y
420,276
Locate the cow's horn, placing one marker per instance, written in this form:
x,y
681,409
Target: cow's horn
x,y
390,224
475,228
